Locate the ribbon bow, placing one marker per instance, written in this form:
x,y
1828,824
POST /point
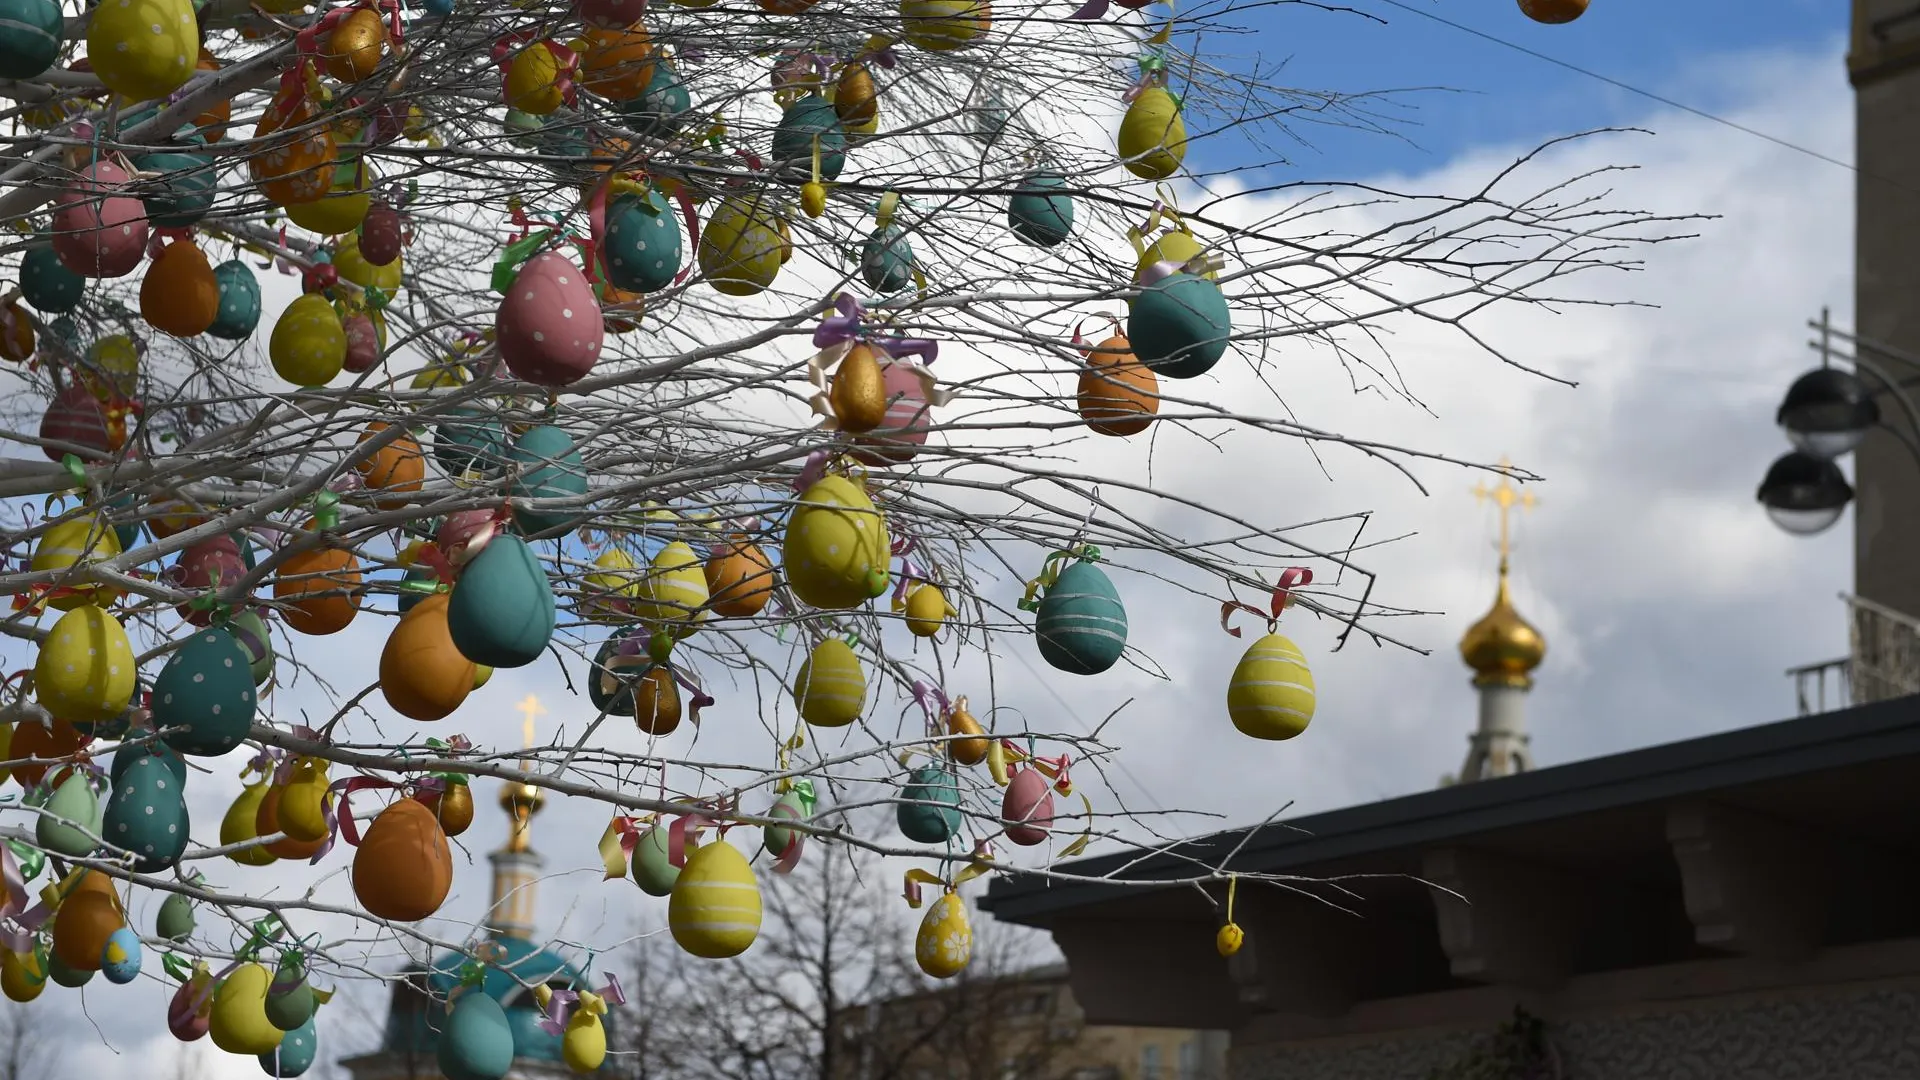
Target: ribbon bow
x,y
561,1004
979,864
472,973
18,922
1290,579
933,702
1050,573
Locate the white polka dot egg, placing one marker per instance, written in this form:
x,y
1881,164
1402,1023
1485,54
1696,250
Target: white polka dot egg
x,y
549,328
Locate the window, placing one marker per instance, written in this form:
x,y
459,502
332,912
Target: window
x,y
1189,1060
1150,1062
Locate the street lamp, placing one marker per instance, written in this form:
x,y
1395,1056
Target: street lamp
x,y
1805,494
1827,412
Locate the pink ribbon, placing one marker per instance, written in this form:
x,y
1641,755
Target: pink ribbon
x,y
1292,578
790,858
17,921
933,702
812,472
339,815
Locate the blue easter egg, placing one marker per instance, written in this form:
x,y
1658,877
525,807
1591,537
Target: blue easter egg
x,y
183,193
1082,626
239,311
886,260
476,1042
438,8
1041,210
1179,326
661,109
30,32
812,117
46,283
640,246
125,757
296,1053
502,612
468,439
206,688
924,824
147,812
120,958
550,468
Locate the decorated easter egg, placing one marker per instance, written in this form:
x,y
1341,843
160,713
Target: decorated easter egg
x,y
1153,138
320,589
250,630
206,690
298,166
464,533
1118,394
927,610
533,81
1041,209
550,467
70,820
858,391
1553,11
653,871
422,674
183,192
85,671
86,918
617,62
740,578
1271,692
75,543
501,612
363,341
675,588
126,757
611,677
47,742
303,801
349,194
837,548
398,467
191,1011
855,97
662,109
1081,624
117,358
23,975
945,25
144,49
1179,326
242,824
308,346
30,32
175,920
353,49
640,246
238,1022
1026,810
120,960
944,943
656,702
830,689
714,910
76,418
929,807
16,333
781,841
382,234
886,260
45,283
239,311
98,231
212,122
548,327
266,822
972,744
906,423
180,295
147,814
300,1047
612,587
807,122
583,1044
613,14
290,1001
403,869
476,1042
357,268
467,439
741,246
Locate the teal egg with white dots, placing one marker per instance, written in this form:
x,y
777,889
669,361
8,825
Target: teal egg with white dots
x,y
183,192
147,814
929,810
206,691
47,284
550,468
120,958
661,109
125,757
239,311
1081,624
886,260
296,1053
640,246
1041,210
29,37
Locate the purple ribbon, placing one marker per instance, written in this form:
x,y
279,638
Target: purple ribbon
x,y
561,1003
903,544
1089,11
700,698
910,572
843,327
17,922
927,696
1165,268
266,762
897,347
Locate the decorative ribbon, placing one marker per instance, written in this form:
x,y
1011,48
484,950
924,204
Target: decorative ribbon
x,y
1290,579
560,1004
836,336
690,823
1001,753
933,702
910,575
472,973
979,865
813,471
339,815
1050,572
18,922
1207,262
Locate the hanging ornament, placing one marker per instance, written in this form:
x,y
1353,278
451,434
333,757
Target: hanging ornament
x,y
1079,622
1271,693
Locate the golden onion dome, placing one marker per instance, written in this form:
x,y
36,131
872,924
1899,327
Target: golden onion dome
x,y
521,801
1502,648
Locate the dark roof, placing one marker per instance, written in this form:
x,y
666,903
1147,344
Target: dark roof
x,y
1769,752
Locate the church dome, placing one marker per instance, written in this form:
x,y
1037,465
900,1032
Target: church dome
x,y
1503,648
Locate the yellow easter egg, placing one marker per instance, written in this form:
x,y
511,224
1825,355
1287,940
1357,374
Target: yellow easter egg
x,y
615,582
85,671
836,548
354,266
143,49
83,540
302,810
240,826
1271,694
1153,138
343,208
927,610
714,910
308,346
831,689
584,1044
238,1022
675,590
115,359
533,81
740,248
944,25
22,975
1177,247
439,377
945,941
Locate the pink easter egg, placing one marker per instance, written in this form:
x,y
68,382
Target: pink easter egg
x,y
363,343
96,231
463,534
208,565
548,328
76,416
908,420
1027,808
381,235
611,14
186,1022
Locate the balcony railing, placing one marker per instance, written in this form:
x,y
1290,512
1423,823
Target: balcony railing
x,y
1884,661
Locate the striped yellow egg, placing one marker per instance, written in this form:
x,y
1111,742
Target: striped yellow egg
x,y
831,690
85,671
945,941
1271,695
613,584
85,539
714,910
675,589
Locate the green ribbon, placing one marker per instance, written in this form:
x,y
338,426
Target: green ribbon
x,y
1050,572
1152,62
803,791
377,298
30,859
264,931
326,510
76,470
176,967
508,266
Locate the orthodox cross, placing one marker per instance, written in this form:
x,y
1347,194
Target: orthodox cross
x,y
1506,497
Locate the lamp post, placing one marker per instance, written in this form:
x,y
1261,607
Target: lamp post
x,y
1826,414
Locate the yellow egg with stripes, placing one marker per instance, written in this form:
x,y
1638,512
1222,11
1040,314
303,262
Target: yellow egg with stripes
x,y
831,690
1271,695
85,671
675,589
714,909
85,539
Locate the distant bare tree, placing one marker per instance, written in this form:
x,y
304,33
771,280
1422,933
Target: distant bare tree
x,y
24,1050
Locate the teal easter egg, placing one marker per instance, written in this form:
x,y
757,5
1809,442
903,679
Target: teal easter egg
x,y
1081,624
640,247
1041,210
476,1042
120,958
175,920
296,1053
468,440
183,192
250,630
127,756
45,282
524,127
30,32
147,813
1179,326
563,136
929,810
810,118
550,468
71,820
661,109
62,975
652,870
239,311
206,689
611,677
502,613
886,260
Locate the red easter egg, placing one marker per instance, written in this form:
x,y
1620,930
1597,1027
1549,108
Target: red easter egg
x,y
1027,808
210,564
611,14
549,328
76,416
185,1021
363,342
380,235
97,232
906,425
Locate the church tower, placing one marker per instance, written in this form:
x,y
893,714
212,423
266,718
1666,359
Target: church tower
x,y
1503,649
516,866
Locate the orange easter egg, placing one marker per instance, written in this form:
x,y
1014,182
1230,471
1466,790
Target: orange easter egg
x,y
399,466
617,64
35,740
422,674
180,295
403,869
317,588
87,917
740,579
1118,394
213,122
